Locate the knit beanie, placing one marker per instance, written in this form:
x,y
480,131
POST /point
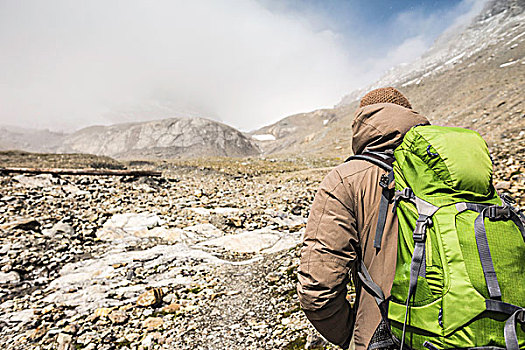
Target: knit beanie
x,y
385,95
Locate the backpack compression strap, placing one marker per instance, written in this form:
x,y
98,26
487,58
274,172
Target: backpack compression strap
x,y
417,266
382,337
494,212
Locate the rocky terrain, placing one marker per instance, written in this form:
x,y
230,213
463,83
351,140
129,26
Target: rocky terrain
x,y
204,257
166,138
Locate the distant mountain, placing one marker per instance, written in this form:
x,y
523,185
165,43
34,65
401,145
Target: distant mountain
x,y
167,138
31,140
472,77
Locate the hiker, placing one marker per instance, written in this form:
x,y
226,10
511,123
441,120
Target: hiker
x,y
342,223
435,252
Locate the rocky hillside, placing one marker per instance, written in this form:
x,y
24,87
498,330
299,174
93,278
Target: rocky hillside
x,y
167,138
305,133
472,77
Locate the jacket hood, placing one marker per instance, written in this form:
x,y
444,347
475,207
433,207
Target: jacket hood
x,y
382,126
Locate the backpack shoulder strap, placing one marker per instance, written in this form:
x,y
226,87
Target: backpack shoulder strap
x,y
383,161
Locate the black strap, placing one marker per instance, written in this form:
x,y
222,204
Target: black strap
x,y
500,306
384,161
386,197
387,155
371,287
382,164
382,337
511,337
485,257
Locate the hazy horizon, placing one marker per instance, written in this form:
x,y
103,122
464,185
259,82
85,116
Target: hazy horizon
x,y
246,64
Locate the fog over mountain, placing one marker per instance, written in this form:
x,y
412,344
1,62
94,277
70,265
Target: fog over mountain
x,y
470,78
247,63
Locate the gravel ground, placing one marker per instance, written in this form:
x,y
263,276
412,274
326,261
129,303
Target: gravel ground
x,y
204,257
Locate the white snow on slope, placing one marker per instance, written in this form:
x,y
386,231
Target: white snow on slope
x,y
264,137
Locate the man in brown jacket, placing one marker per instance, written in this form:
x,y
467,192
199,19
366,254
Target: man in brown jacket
x,y
342,223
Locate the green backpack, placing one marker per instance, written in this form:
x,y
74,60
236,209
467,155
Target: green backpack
x,y
460,272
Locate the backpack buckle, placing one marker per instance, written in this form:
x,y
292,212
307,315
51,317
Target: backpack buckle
x,y
420,231
383,182
406,193
499,213
420,237
520,315
507,198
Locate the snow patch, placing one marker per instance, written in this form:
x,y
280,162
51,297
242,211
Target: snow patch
x,y
516,37
410,82
264,137
508,64
454,59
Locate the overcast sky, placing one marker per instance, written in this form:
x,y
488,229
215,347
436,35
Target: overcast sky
x,y
248,63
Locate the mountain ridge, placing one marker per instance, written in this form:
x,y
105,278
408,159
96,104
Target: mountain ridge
x,y
162,138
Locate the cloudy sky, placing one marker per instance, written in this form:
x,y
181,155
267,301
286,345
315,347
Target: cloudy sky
x,y
69,64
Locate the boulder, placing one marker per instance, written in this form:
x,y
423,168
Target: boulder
x,y
245,242
129,224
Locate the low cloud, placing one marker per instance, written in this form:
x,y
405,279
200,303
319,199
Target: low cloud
x,y
68,64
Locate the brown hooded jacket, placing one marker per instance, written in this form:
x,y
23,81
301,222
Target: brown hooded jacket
x,y
341,229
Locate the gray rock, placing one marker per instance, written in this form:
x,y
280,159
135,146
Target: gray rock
x,y
64,342
245,242
200,232
95,280
32,181
59,227
9,277
128,224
